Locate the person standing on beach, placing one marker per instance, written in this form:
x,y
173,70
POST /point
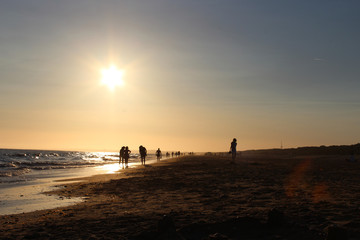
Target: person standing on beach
x,y
143,153
233,149
127,156
121,156
158,154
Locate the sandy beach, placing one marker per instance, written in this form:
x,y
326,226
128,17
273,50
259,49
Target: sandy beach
x,y
206,197
247,113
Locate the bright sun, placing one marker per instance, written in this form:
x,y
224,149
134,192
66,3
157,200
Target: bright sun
x,y
112,77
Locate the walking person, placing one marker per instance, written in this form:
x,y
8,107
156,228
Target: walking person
x,y
158,154
143,153
233,149
121,156
127,156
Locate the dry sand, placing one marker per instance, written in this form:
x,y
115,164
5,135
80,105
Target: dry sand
x,y
206,197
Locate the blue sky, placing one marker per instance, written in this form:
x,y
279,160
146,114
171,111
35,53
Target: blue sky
x,y
198,73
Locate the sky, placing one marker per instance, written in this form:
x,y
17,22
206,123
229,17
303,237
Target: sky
x,y
197,73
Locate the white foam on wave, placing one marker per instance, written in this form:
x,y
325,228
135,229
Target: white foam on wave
x,y
14,163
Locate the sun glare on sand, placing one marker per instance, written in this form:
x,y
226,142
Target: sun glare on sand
x,y
112,77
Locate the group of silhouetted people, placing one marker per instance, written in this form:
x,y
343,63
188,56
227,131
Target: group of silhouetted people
x,y
176,154
124,156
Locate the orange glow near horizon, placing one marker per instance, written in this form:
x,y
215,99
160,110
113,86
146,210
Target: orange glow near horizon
x,y
112,77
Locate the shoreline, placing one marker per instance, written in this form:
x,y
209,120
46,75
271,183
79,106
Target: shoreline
x,y
30,195
200,194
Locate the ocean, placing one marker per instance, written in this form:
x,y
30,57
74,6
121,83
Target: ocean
x,y
17,165
25,175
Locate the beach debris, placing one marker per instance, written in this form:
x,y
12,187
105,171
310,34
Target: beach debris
x,y
336,233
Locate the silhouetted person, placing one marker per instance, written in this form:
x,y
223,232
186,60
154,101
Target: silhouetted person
x,y
143,153
172,154
167,154
127,156
233,149
158,154
121,156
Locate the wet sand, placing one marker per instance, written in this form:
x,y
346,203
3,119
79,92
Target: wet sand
x,y
28,195
206,197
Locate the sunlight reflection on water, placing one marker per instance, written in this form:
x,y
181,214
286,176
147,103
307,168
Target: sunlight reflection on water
x,y
114,167
110,168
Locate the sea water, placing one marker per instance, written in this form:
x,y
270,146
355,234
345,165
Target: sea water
x,y
26,174
17,165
